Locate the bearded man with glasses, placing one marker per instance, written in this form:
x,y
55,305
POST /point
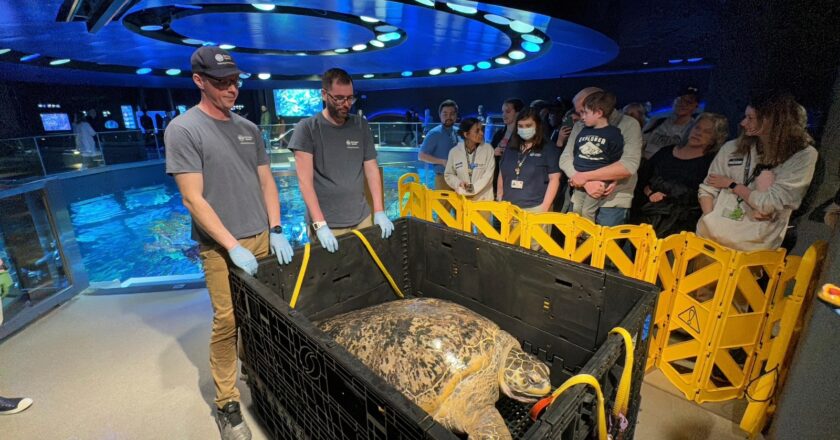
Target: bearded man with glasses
x,y
219,162
334,157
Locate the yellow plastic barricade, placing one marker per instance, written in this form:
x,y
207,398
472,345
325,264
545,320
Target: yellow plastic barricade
x,y
740,311
412,196
533,231
666,259
613,241
448,206
781,331
477,214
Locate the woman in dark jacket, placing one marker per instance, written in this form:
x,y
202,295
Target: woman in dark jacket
x,y
666,196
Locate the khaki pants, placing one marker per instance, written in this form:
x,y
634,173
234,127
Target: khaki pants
x,y
223,337
338,232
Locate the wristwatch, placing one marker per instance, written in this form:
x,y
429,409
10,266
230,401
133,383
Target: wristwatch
x,y
733,185
277,230
318,225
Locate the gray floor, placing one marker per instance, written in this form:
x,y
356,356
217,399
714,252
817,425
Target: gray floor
x,y
136,367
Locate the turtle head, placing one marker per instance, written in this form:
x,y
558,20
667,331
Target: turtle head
x,y
523,377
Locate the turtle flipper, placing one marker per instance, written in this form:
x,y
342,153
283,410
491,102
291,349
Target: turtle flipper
x,y
488,425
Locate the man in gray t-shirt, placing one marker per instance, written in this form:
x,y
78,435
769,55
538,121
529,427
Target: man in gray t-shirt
x,y
672,130
220,165
334,155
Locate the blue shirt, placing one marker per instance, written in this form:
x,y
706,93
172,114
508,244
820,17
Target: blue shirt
x,y
534,170
438,142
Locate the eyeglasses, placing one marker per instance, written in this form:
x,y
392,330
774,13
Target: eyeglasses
x,y
223,84
342,99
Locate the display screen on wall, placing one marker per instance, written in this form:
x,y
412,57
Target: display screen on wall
x,y
55,121
297,102
128,117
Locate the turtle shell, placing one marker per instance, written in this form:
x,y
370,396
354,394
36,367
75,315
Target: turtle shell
x,y
423,347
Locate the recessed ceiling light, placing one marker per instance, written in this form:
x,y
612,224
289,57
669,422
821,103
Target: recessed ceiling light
x,y
468,68
5,51
208,43
59,62
173,72
694,60
376,43
502,60
151,27
227,46
368,75
426,2
484,65
244,75
192,41
369,19
264,6
498,19
645,63
675,60
30,57
359,47
386,28
516,55
342,50
522,28
530,47
462,9
434,72
143,70
407,73
533,38
451,69
301,54
389,36
264,76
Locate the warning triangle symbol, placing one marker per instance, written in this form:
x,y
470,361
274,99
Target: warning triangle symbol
x,y
689,316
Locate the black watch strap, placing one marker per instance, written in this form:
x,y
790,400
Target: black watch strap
x,y
733,185
277,230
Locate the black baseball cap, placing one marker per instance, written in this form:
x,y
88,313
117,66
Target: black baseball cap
x,y
213,61
690,90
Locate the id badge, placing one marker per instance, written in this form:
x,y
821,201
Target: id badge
x,y
517,184
736,214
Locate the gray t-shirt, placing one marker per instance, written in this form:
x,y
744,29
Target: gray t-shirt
x,y
227,154
666,134
338,154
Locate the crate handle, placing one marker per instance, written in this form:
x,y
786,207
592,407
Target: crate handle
x,y
376,259
300,277
622,396
579,379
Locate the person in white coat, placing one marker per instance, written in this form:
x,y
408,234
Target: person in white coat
x,y
469,168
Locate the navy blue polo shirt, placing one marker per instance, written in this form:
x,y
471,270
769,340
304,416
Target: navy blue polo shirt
x,y
534,171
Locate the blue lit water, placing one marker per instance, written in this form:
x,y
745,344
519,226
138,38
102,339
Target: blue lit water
x,y
145,232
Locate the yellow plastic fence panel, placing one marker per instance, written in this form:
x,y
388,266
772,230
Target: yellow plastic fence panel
x,y
447,205
702,274
780,333
665,261
478,215
741,310
412,195
587,242
516,224
533,231
618,240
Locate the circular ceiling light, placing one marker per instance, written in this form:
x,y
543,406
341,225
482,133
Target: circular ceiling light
x,y
386,28
516,55
143,71
264,76
461,8
369,19
227,46
451,69
426,2
675,61
484,65
59,62
30,57
522,28
498,19
695,60
151,27
503,61
301,54
264,6
5,51
407,73
192,41
530,47
173,72
342,50
376,43
244,75
359,47
533,38
368,76
434,72
468,68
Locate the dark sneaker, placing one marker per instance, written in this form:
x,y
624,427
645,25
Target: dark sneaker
x,y
12,405
231,424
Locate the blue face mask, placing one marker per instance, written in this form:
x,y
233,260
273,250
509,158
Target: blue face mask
x,y
526,133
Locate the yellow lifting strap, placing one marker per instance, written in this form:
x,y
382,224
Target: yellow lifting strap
x,y
379,263
622,396
300,276
590,380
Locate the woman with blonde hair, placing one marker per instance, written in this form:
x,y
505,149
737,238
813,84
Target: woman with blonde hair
x,y
668,182
758,179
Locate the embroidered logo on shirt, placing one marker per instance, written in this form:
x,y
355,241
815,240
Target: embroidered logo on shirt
x,y
352,144
458,165
245,140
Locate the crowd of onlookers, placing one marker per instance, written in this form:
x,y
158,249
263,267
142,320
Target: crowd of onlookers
x,y
680,172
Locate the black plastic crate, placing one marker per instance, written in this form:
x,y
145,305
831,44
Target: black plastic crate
x,y
306,386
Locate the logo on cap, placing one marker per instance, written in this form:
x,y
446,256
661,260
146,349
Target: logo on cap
x,y
219,57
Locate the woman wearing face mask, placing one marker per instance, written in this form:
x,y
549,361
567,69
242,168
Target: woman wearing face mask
x,y
501,139
757,180
529,172
470,166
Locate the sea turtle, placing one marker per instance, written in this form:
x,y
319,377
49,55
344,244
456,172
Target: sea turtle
x,y
448,360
